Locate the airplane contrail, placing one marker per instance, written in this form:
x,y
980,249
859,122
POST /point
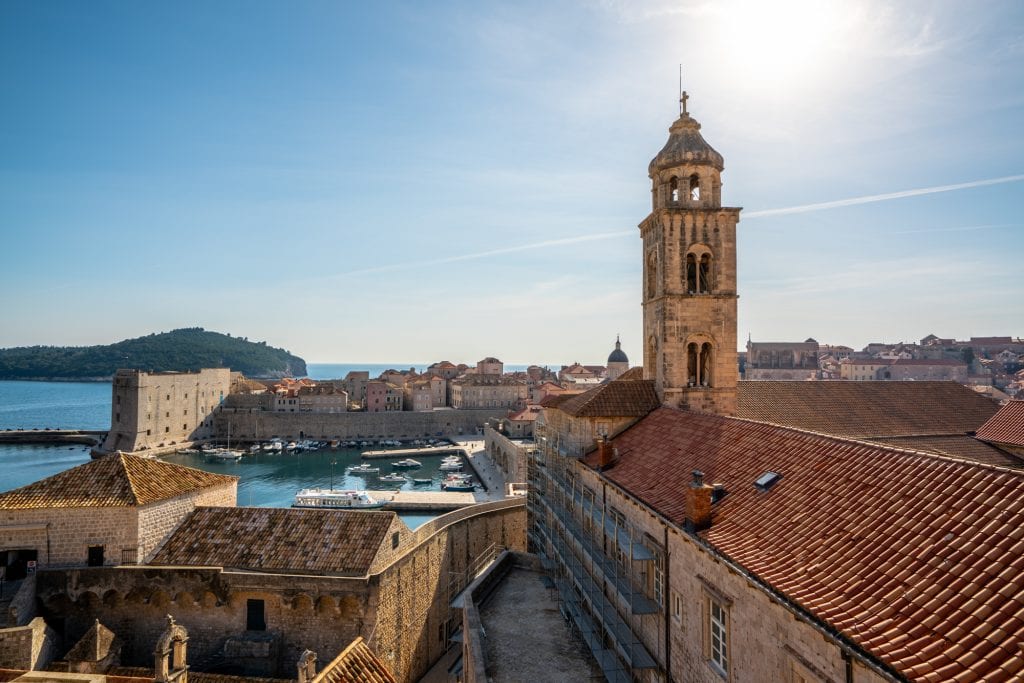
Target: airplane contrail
x,y
804,208
871,198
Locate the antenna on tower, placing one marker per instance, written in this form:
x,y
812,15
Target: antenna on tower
x,y
682,93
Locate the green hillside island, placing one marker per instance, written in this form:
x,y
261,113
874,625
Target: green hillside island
x,y
178,351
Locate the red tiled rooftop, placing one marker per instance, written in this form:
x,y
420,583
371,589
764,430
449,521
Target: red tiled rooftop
x,y
904,553
1006,426
613,399
116,480
867,409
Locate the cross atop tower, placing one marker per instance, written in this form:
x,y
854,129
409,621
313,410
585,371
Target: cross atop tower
x,y
682,102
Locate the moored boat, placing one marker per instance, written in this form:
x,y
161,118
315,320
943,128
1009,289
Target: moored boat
x,y
336,498
363,468
406,464
392,479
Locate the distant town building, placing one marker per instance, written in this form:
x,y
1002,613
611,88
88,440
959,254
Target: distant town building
x,y
355,386
490,366
860,369
163,409
488,391
383,397
618,362
782,360
311,398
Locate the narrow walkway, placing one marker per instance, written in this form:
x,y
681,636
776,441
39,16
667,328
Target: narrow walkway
x,y
545,651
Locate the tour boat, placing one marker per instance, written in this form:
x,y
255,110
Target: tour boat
x,y
335,498
407,464
363,468
392,479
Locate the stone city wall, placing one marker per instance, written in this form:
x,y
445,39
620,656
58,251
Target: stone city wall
x,y
510,456
412,597
250,425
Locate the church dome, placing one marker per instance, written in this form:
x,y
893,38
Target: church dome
x,y
618,355
685,146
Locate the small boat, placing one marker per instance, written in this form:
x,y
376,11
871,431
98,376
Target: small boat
x,y
255,448
291,446
190,451
363,468
335,498
333,443
224,454
406,464
458,485
392,479
450,466
421,482
268,446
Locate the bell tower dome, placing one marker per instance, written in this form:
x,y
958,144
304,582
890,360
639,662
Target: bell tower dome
x,y
689,286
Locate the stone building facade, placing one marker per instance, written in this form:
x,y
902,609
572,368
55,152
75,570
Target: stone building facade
x,y
156,410
474,392
383,397
782,360
115,510
897,369
689,276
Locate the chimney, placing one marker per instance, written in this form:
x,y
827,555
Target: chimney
x,y
698,503
605,453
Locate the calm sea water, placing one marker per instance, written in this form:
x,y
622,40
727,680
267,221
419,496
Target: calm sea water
x,y
265,480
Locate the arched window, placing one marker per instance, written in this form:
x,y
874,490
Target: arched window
x,y
692,365
694,188
673,186
704,274
705,365
691,274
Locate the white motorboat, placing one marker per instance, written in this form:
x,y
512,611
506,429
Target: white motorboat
x,y
363,468
335,498
224,454
392,479
450,466
407,464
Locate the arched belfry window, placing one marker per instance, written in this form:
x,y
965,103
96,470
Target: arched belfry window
x,y
698,273
694,188
699,364
673,186
704,274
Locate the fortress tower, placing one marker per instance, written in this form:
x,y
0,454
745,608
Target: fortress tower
x,y
689,286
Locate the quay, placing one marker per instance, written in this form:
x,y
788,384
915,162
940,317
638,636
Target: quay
x,y
82,436
425,501
403,452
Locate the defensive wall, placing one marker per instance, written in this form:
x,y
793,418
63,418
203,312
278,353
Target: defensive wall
x,y
508,454
250,424
403,610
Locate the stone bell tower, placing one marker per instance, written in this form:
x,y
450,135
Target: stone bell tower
x,y
689,287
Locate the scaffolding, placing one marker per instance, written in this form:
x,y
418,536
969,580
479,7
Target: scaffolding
x,y
591,552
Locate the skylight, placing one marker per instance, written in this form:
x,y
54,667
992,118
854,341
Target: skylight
x,y
767,480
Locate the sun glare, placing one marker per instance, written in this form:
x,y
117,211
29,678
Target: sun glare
x,y
782,44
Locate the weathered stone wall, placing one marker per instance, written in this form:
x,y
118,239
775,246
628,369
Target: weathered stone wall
x,y
508,455
398,609
157,410
28,647
413,596
22,608
257,425
157,520
320,613
62,536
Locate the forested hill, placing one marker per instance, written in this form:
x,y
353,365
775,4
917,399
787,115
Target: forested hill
x,y
179,350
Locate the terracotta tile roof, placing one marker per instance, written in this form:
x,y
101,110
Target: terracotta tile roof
x,y
555,400
613,399
966,447
866,409
356,664
1006,426
527,414
116,480
337,542
915,558
94,645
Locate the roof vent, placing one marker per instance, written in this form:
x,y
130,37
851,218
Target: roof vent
x,y
717,492
767,480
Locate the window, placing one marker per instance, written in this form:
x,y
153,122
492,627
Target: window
x,y
149,432
394,540
694,188
166,430
718,635
129,555
255,615
677,607
673,186
659,579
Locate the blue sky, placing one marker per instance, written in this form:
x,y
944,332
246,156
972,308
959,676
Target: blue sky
x,y
453,180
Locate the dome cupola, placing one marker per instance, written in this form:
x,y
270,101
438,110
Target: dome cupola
x,y
618,355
